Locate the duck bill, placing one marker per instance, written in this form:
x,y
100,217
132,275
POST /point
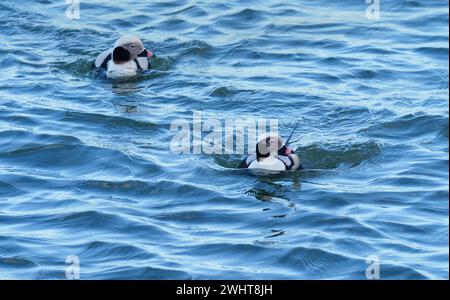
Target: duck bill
x,y
148,53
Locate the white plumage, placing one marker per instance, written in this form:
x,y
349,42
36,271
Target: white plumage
x,y
268,163
121,71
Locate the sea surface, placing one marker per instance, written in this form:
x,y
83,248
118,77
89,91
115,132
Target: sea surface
x,y
86,168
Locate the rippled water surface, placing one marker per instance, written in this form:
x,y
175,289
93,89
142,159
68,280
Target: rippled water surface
x,y
86,170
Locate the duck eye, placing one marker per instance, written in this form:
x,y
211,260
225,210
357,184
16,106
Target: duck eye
x,y
132,46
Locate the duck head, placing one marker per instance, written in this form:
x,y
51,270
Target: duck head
x,y
268,145
127,48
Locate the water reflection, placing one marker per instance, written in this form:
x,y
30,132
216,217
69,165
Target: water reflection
x,y
268,190
125,88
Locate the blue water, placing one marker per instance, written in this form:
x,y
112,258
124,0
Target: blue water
x,y
86,170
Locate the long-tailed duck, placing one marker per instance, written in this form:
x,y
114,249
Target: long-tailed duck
x,y
125,59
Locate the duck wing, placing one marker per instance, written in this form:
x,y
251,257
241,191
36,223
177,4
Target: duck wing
x,y
102,60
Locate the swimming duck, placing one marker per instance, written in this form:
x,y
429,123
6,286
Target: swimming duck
x,y
125,59
272,155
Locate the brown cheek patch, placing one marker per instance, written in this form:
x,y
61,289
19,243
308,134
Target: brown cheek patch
x,y
121,55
